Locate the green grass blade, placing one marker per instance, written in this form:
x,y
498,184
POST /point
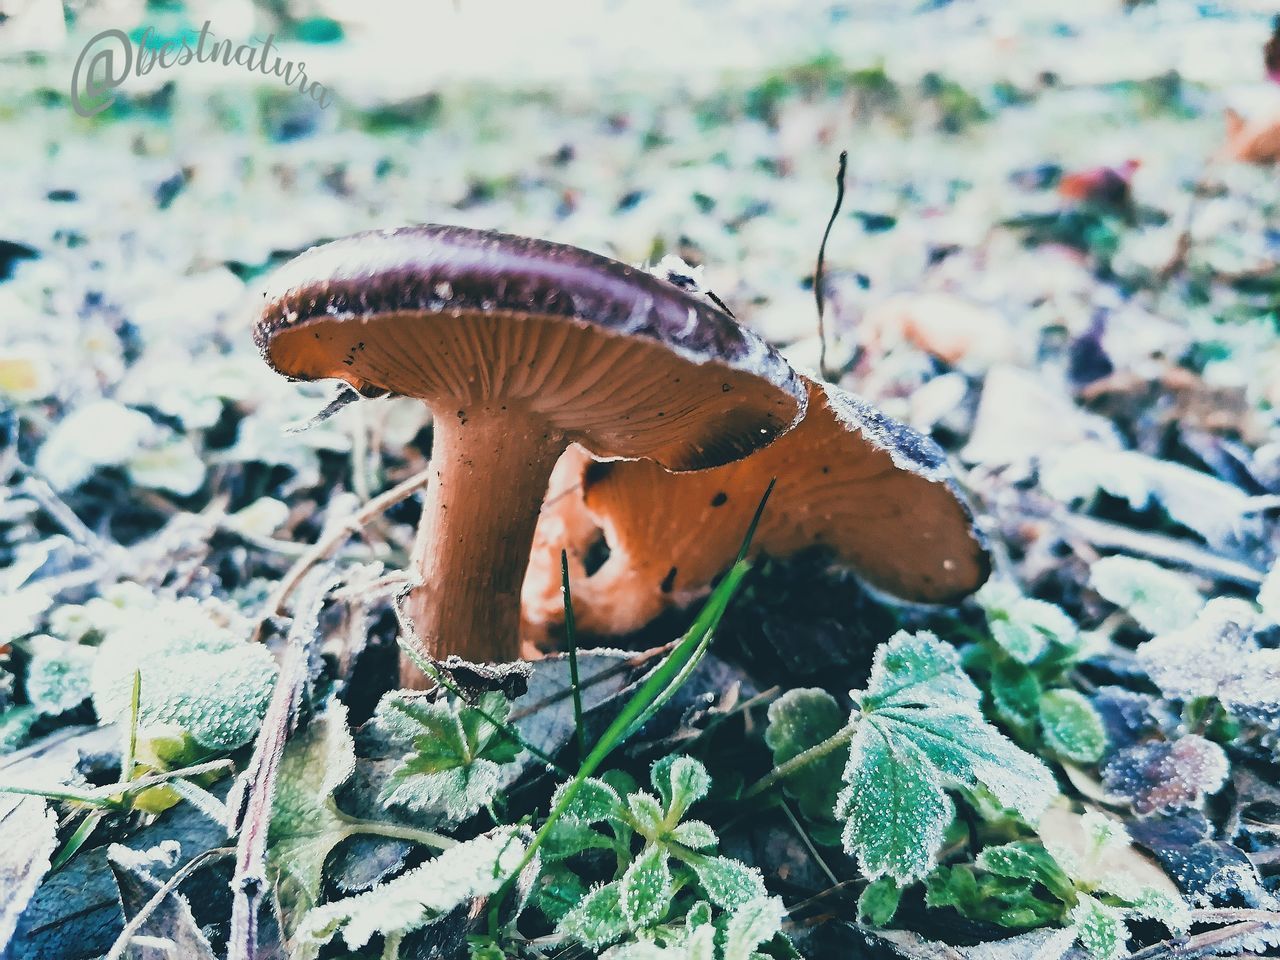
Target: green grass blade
x,y
76,840
131,745
571,637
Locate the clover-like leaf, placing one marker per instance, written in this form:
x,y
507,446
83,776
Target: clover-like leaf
x,y
646,811
594,802
681,782
456,753
1101,929
305,826
728,883
1016,693
1158,599
1028,861
695,835
645,890
753,923
798,720
1071,727
476,868
598,919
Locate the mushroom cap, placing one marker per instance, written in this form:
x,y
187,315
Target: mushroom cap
x,y
624,363
873,492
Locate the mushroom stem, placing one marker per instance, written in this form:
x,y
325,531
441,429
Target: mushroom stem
x,y
489,473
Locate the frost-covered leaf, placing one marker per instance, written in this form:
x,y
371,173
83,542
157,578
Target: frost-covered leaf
x,y
681,782
456,753
170,922
755,922
1027,861
173,464
1023,626
1212,508
58,675
103,433
1101,929
695,835
304,825
476,868
20,612
15,724
894,807
30,832
879,902
646,810
197,675
598,919
728,883
1071,727
1163,776
798,720
594,802
1217,656
921,731
1158,599
645,891
917,669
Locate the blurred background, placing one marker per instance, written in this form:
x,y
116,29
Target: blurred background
x,y
1059,232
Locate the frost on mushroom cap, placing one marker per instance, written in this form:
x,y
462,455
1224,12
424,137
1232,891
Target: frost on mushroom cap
x,y
617,359
873,492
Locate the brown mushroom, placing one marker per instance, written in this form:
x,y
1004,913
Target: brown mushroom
x,y
519,347
873,492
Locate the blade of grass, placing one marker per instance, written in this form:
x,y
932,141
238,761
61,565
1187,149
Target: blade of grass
x,y
76,840
131,745
571,636
818,293
662,682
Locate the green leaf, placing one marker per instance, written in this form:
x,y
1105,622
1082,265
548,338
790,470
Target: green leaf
x,y
1071,727
879,902
917,669
645,891
1023,626
921,731
304,825
966,750
1016,693
1158,599
476,868
681,781
755,922
454,766
894,807
646,811
15,725
594,802
558,891
197,675
1101,929
798,720
598,919
58,675
694,834
728,883
568,838
1028,861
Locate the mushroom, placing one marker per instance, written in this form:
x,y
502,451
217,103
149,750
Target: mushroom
x,y
873,492
519,347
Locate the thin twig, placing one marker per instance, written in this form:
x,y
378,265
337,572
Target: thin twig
x,y
252,798
133,926
334,537
1210,938
818,294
